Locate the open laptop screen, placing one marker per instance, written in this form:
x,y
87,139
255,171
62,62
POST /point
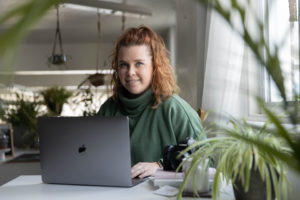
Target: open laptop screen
x,y
85,150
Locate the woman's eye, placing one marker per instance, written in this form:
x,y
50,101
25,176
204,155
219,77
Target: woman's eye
x,y
139,64
123,65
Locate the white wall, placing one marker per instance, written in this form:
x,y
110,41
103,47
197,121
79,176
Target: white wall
x,y
83,56
30,56
33,57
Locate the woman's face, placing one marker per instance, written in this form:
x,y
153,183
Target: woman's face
x,y
135,68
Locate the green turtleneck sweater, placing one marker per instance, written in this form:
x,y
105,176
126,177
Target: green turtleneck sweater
x,y
153,129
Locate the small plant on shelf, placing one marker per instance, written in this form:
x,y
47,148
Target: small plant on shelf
x,y
55,98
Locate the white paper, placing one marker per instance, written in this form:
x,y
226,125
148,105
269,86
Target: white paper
x,y
167,190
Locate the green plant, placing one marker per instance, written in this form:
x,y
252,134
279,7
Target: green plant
x,y
236,158
55,98
22,18
23,114
275,147
268,59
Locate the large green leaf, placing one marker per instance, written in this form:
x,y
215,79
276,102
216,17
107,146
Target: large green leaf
x,y
24,16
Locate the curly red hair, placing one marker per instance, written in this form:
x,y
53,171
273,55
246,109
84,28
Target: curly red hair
x,y
163,81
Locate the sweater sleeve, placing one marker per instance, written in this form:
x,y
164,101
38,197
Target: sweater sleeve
x,y
185,121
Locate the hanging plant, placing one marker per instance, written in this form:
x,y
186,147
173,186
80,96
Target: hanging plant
x,y
58,58
96,79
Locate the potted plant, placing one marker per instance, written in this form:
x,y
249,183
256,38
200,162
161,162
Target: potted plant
x,y
23,116
269,60
55,98
264,153
253,173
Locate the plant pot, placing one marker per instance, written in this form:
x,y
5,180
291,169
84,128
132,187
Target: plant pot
x,y
257,188
55,109
97,79
58,59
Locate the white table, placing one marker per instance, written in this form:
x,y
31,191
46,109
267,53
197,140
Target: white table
x,y
31,187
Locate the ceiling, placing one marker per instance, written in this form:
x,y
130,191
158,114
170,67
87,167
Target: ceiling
x,y
79,26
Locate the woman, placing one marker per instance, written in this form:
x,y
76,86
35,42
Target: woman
x,y
144,90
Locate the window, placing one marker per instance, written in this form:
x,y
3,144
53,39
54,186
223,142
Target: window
x,y
282,29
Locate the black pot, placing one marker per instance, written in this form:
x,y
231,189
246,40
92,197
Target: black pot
x,y
257,188
58,59
55,108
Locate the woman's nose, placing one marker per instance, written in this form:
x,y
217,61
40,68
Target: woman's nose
x,y
131,70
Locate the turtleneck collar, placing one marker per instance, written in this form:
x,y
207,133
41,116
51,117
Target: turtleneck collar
x,y
133,107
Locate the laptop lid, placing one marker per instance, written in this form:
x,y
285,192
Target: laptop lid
x,y
85,150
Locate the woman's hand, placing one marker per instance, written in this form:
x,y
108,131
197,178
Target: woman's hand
x,y
144,169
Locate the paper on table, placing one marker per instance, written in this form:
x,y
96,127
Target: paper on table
x,y
161,174
167,190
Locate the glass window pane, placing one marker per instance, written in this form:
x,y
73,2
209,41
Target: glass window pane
x,y
284,34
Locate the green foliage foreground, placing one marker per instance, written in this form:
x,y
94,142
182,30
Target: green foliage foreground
x,y
270,61
236,157
22,18
278,146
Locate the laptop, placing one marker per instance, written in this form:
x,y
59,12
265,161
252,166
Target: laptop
x,y
85,151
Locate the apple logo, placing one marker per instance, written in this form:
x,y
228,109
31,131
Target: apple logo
x,y
81,149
